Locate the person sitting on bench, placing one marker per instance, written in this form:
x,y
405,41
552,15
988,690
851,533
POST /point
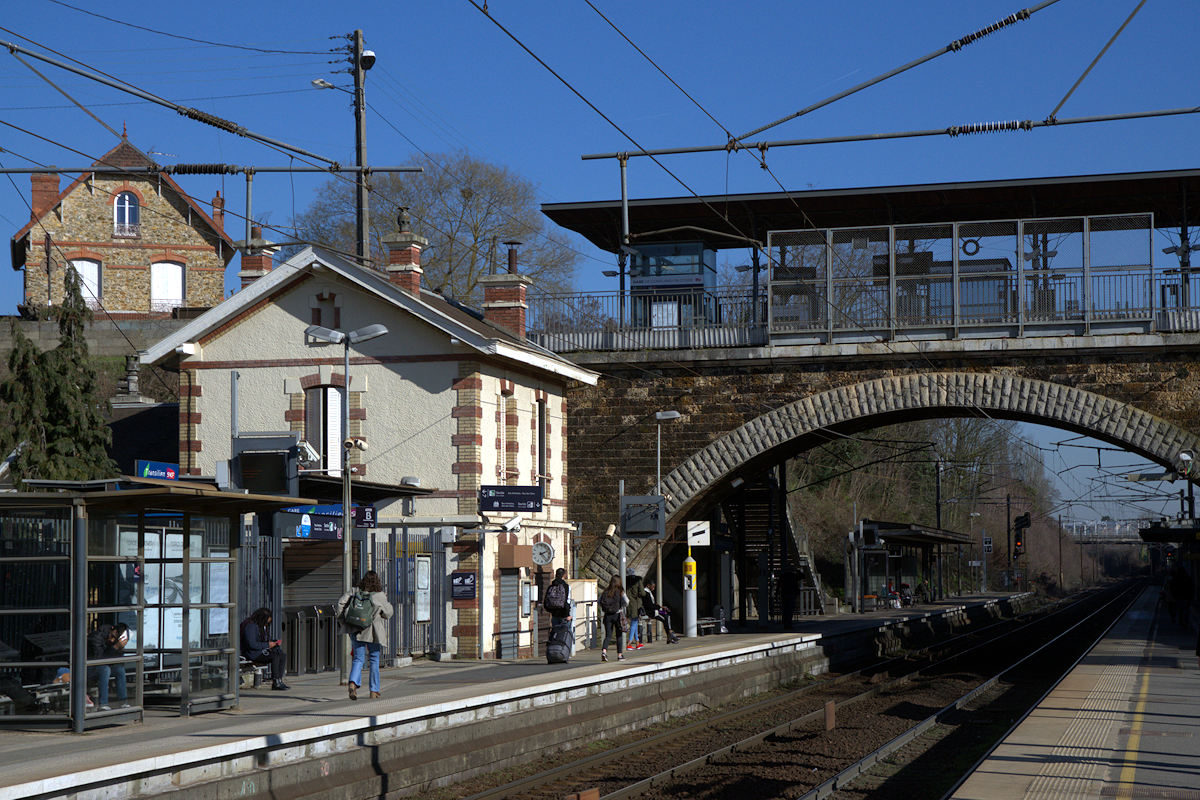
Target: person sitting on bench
x,y
659,612
108,641
258,649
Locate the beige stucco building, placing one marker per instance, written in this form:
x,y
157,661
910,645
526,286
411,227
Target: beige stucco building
x,y
141,245
451,397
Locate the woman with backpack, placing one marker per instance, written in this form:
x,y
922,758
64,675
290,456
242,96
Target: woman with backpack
x,y
364,614
612,604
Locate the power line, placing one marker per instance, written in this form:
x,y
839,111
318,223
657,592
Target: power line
x,y
187,38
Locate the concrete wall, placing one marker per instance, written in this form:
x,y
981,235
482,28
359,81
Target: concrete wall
x,y
105,337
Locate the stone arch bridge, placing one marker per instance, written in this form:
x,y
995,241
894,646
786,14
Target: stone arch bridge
x,y
746,410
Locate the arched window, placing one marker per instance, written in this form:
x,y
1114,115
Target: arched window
x,y
126,215
166,285
89,279
323,426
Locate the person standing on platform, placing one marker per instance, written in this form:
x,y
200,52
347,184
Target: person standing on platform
x,y
1182,590
364,614
259,649
612,605
789,588
633,586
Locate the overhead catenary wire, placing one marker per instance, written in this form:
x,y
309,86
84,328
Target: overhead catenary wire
x,y
952,47
186,111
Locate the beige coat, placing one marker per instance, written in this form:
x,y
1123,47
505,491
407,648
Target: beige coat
x,y
378,631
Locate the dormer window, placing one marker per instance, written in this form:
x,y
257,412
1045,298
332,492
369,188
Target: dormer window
x,y
125,215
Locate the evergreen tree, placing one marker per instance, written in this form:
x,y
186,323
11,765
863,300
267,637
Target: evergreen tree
x,y
56,419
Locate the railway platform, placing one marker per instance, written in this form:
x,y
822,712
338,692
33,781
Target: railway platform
x,y
1124,723
439,720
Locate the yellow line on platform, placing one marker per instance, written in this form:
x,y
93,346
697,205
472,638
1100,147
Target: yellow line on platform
x,y
1126,785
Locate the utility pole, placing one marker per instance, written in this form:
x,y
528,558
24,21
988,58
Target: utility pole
x,y
1060,571
361,61
1008,527
938,497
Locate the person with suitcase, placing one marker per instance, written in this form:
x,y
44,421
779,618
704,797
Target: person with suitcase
x,y
562,636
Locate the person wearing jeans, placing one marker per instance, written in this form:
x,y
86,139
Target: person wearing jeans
x,y
108,641
367,643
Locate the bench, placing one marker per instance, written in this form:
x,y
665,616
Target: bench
x,y
707,626
247,668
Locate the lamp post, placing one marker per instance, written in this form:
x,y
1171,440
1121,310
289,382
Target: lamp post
x,y
661,417
346,338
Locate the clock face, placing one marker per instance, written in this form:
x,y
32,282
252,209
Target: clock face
x,y
543,553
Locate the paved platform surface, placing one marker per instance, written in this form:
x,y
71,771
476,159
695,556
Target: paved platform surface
x,y
45,758
1125,723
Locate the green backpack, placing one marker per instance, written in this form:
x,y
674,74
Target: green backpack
x,y
359,611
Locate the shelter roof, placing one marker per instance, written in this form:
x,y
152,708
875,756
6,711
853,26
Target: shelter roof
x,y
1166,533
753,215
131,494
326,488
913,534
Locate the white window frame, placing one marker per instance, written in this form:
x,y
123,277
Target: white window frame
x,y
127,206
159,299
91,278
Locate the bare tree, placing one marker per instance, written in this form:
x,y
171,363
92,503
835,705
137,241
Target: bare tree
x,y
467,208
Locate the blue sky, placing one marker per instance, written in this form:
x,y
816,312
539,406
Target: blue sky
x,y
448,77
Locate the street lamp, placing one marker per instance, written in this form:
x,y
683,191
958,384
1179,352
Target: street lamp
x,y
661,417
346,338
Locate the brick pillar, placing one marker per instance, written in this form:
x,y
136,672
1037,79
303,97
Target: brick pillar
x,y
504,302
404,255
218,215
45,191
256,258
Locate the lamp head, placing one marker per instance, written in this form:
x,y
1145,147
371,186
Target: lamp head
x,y
368,59
663,416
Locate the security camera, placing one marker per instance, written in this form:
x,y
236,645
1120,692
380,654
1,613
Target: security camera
x,y
354,444
308,453
513,525
368,59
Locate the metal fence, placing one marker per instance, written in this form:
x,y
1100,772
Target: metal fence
x,y
998,278
412,563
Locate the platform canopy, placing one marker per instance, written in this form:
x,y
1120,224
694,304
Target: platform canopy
x,y
908,533
1164,532
129,494
701,218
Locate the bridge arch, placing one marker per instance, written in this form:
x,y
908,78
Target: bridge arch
x,y
791,428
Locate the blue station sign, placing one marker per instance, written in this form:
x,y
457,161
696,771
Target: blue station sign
x,y
156,469
510,498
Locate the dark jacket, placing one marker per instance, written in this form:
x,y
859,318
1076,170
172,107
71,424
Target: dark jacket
x,y
565,612
635,598
98,645
649,604
255,641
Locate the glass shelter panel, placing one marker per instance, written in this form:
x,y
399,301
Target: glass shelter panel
x,y
1122,283
35,621
1052,262
924,260
987,273
799,296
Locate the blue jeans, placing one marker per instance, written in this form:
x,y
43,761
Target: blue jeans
x,y
633,629
102,673
361,651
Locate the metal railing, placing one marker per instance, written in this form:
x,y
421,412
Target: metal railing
x,y
1135,297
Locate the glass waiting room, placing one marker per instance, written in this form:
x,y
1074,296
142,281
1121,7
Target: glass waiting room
x,y
129,583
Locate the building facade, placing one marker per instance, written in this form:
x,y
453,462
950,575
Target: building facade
x,y
449,398
141,245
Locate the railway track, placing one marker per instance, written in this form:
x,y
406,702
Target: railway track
x,y
779,746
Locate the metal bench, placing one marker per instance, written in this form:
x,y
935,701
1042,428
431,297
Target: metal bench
x,y
707,626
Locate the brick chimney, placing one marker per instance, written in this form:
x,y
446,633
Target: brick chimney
x,y
404,255
504,296
256,258
218,215
45,190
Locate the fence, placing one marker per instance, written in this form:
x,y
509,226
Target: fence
x,y
412,563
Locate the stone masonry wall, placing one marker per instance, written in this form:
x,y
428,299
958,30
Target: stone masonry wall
x,y
82,227
613,426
